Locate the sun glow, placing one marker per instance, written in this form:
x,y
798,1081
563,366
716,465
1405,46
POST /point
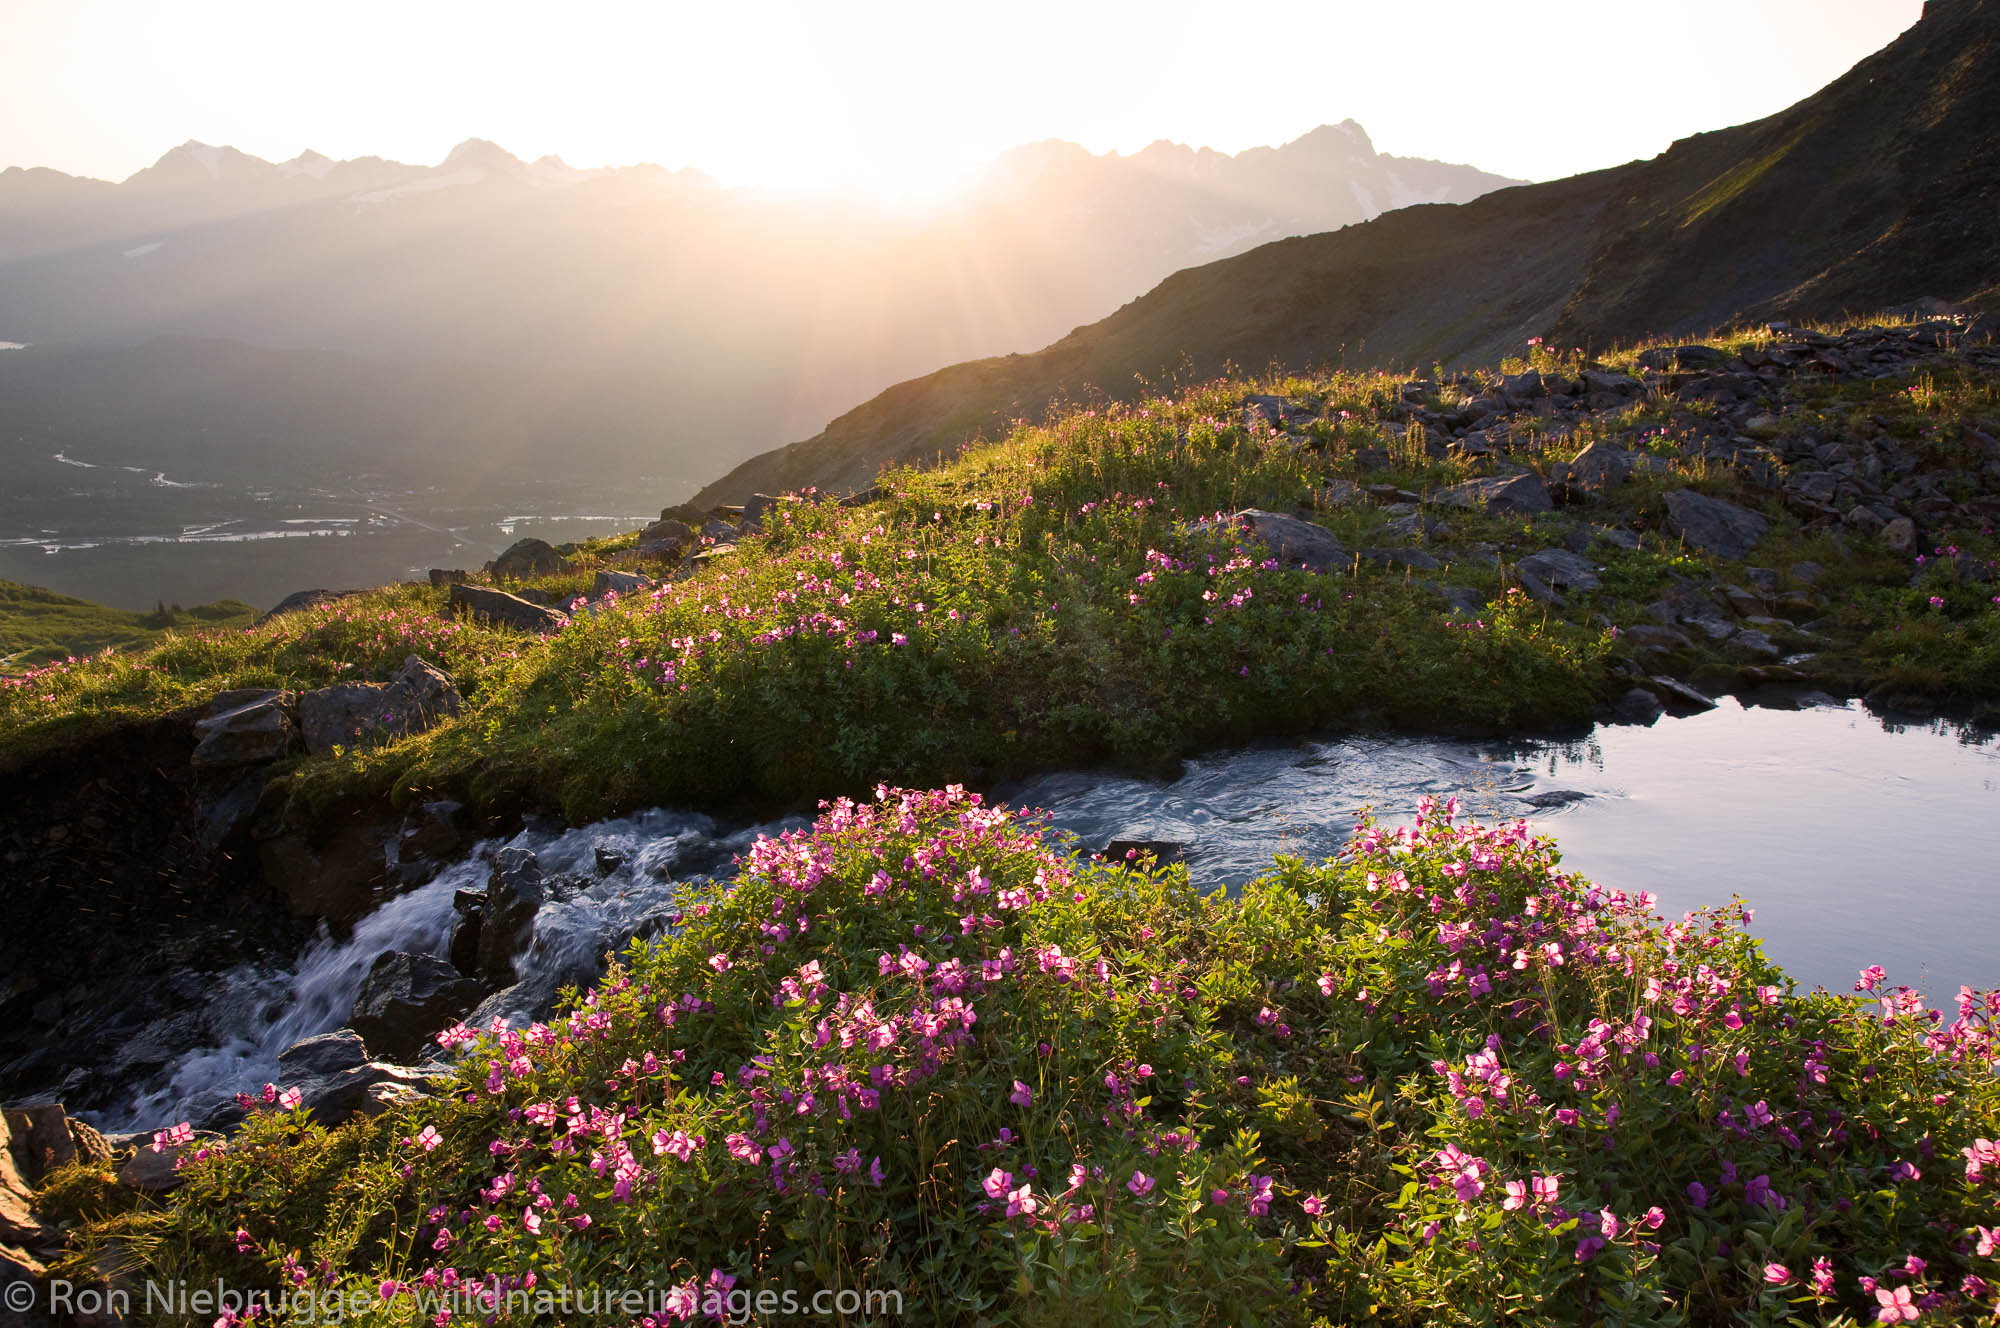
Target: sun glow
x,y
888,99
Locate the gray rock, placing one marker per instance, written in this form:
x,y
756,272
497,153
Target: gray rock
x,y
758,504
440,577
304,599
1612,384
1679,695
1616,536
665,537
527,557
337,1097
1863,517
360,714
1817,487
1754,643
514,894
1539,589
1745,602
1416,558
1597,469
1638,706
1271,413
1714,526
406,998
620,583
719,530
1411,525
1807,573
1561,569
159,1172
1339,493
389,1094
243,727
320,1056
1715,629
434,830
1521,388
1683,357
224,808
1461,601
1522,495
337,874
336,1078
504,610
1900,535
1291,541
20,1228
39,1138
1652,640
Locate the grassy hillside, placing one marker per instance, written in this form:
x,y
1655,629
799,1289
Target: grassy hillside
x,y
1882,189
1052,600
39,627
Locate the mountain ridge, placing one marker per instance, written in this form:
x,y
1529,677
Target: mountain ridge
x,y
1881,189
773,312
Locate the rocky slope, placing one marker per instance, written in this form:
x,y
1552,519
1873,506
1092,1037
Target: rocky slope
x,y
1881,190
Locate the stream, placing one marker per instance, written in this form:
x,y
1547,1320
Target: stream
x,y
1856,841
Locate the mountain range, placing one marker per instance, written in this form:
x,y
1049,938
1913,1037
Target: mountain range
x,y
739,316
1882,189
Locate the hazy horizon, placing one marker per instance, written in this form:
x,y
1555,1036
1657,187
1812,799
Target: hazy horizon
x,y
896,98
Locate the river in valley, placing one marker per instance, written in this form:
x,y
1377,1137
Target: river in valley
x,y
1857,841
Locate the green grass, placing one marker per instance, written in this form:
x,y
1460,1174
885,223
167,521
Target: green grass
x,y
1045,600
39,627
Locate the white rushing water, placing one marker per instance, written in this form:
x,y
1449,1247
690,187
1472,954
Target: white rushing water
x,y
1858,842
602,880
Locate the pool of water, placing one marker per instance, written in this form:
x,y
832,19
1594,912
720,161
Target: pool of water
x,y
1856,841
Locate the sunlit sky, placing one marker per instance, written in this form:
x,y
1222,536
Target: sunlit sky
x,y
796,96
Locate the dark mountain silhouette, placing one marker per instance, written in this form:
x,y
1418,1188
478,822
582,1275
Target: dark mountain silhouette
x,y
1882,189
768,314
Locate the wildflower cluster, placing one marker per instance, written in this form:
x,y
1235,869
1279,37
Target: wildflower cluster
x,y
921,1047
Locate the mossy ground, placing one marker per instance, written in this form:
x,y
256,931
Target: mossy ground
x,y
39,627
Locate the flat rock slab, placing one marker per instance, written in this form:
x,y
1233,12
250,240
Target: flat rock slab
x,y
1562,569
1714,526
1291,541
620,583
1678,694
360,714
505,610
1522,495
243,727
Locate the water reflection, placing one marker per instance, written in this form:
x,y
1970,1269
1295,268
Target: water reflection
x,y
1857,840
